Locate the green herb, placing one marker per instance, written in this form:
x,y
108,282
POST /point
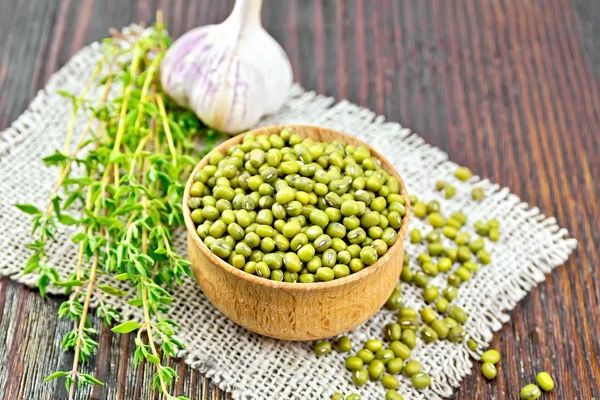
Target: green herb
x,y
136,151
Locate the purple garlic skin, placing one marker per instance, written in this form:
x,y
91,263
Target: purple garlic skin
x,y
229,74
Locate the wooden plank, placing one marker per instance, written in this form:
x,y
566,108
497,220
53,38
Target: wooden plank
x,y
506,87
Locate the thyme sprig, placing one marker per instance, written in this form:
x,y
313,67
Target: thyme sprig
x,y
135,150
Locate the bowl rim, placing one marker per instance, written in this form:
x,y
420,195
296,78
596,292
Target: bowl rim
x,y
294,286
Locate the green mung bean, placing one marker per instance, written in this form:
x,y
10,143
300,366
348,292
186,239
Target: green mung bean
x,y
428,315
450,293
354,363
428,334
430,268
365,355
436,249
454,280
462,173
409,338
392,331
420,380
457,334
376,369
454,223
482,228
472,345
490,356
484,257
407,323
462,238
393,395
385,355
493,224
415,236
449,231
322,347
407,274
423,257
441,305
494,234
444,264
458,314
451,322
436,220
463,273
421,279
395,366
412,367
464,254
373,345
530,392
477,193
400,349
433,236
419,209
471,266
449,191
389,382
488,370
545,381
430,294
394,302
360,377
441,328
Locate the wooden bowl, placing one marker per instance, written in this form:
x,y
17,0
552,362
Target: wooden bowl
x,y
295,311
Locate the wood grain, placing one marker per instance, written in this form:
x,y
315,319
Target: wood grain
x,y
304,312
507,87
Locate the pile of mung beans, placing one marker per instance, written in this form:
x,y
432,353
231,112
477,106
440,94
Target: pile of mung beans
x,y
292,209
381,359
441,319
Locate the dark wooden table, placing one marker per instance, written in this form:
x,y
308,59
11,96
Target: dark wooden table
x,y
509,88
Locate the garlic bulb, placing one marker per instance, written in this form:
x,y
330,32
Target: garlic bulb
x,y
230,74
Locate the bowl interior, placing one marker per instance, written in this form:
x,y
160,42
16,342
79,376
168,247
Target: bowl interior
x,y
319,134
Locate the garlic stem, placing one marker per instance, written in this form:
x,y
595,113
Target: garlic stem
x,y
245,14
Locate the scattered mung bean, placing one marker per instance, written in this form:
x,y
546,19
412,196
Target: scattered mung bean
x,y
373,345
322,347
420,380
462,173
389,382
545,381
490,356
488,370
477,193
376,369
365,355
530,392
393,395
354,363
360,377
412,367
344,344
